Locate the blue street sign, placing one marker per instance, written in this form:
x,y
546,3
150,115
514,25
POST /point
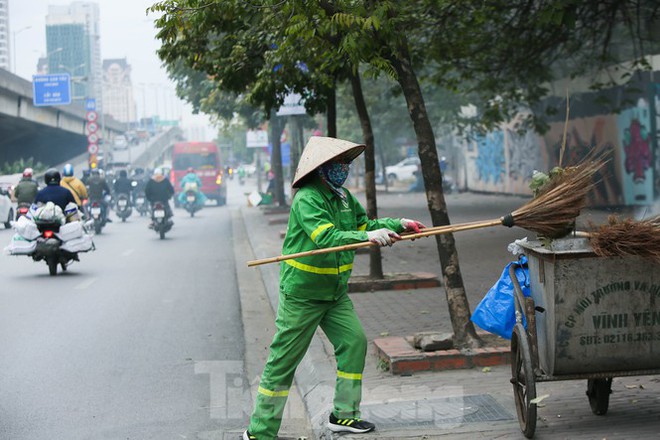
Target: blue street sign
x,y
90,104
51,89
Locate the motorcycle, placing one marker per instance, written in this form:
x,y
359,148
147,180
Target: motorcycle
x,y
49,248
97,212
22,210
190,202
141,203
123,208
160,222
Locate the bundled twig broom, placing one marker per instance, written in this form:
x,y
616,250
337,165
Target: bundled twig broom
x,y
627,237
551,214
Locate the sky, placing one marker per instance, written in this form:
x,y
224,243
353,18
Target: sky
x,y
126,31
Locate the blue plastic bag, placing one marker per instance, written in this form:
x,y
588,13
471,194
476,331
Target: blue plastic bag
x,y
496,313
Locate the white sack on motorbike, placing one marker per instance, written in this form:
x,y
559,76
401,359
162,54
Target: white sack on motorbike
x,y
20,246
26,228
80,244
49,212
70,231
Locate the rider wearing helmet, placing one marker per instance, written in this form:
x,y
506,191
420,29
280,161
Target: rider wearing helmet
x,y
73,184
26,190
159,189
191,182
53,192
123,185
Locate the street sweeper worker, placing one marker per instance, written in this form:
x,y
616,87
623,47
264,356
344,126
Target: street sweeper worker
x,y
313,289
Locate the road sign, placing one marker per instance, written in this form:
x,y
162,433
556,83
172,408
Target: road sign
x,y
92,148
90,104
257,138
92,138
51,89
293,105
92,116
92,127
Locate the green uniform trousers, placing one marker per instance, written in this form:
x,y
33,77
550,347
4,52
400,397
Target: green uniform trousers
x,y
297,320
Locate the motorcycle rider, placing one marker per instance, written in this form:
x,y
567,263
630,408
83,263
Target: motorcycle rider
x,y
26,189
97,189
73,184
191,182
159,189
53,192
124,185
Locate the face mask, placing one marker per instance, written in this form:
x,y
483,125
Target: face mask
x,y
336,173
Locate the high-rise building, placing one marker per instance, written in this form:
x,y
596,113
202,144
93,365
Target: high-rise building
x,y
73,42
4,34
118,94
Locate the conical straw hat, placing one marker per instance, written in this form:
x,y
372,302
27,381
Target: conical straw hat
x,y
320,150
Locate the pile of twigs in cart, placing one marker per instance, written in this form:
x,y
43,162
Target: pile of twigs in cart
x,y
623,237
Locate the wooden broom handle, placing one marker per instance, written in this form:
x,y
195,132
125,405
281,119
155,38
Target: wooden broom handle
x,y
437,230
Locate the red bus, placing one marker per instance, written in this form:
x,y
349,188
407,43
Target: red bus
x,y
204,158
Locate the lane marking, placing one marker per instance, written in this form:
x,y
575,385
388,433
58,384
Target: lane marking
x,y
84,285
128,252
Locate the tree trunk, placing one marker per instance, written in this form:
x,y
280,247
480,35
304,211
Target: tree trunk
x,y
459,308
295,142
331,115
276,127
375,260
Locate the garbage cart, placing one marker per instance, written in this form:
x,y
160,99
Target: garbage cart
x,y
587,317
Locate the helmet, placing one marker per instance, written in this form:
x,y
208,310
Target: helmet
x,y
27,173
68,170
190,170
123,173
158,172
52,177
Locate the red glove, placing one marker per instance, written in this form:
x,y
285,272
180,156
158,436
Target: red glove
x,y
412,225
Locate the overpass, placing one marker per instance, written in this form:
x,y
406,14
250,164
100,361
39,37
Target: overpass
x,y
48,134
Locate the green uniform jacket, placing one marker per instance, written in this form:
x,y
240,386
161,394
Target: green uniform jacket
x,y
320,219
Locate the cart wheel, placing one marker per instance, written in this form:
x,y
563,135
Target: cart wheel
x,y
598,391
523,380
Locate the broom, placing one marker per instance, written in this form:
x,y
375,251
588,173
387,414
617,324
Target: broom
x,y
551,214
619,238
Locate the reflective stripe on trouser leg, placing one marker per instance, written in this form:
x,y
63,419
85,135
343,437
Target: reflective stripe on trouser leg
x,y
297,320
344,330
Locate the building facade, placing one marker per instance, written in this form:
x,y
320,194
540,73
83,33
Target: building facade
x,y
5,52
73,44
118,95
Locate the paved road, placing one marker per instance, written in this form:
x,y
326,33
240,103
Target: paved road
x,y
129,342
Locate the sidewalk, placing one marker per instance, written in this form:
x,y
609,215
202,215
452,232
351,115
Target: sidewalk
x,y
456,404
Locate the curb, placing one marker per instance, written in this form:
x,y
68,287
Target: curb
x,y
278,221
404,359
393,281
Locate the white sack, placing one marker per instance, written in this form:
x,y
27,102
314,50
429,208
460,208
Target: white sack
x,y
20,246
80,244
26,228
69,231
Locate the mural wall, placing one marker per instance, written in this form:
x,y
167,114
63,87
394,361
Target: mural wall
x,y
503,161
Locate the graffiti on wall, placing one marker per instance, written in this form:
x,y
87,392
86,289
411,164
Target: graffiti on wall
x,y
583,136
523,154
490,158
637,167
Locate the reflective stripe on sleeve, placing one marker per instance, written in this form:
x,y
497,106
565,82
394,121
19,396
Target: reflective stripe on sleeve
x,y
362,227
350,376
320,229
270,393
